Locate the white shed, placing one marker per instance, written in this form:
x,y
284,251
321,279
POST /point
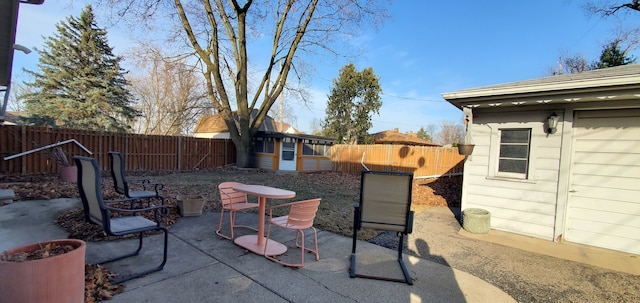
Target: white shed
x,y
579,182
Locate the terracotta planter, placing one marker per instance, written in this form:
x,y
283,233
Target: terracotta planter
x,y
190,205
55,279
465,149
68,173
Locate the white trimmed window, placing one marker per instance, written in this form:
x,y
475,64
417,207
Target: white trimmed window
x,y
513,160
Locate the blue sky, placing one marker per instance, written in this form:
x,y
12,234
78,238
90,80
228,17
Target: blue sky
x,y
425,49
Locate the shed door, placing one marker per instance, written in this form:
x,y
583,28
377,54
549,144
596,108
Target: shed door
x,y
288,154
604,197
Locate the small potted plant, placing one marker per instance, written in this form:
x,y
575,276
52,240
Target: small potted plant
x,y
66,171
50,271
190,205
466,148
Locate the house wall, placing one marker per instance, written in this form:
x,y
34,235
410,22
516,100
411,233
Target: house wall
x,y
524,206
314,163
538,206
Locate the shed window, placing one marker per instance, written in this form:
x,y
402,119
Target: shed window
x,y
316,149
264,146
514,152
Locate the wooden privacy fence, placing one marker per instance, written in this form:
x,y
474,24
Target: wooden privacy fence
x,y
142,152
422,161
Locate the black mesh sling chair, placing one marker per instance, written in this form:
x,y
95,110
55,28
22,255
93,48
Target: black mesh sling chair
x,y
98,211
385,204
148,191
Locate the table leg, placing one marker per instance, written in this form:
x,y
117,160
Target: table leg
x,y
262,201
258,245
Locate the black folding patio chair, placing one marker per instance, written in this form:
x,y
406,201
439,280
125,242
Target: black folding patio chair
x,y
122,186
129,221
385,204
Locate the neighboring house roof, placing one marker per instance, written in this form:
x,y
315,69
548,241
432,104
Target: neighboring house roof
x,y
394,137
215,124
620,82
284,127
13,118
210,124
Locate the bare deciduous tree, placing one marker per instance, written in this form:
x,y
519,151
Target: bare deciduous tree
x,y
449,133
610,8
169,94
219,33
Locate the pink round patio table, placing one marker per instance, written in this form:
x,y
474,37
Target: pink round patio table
x,y
256,243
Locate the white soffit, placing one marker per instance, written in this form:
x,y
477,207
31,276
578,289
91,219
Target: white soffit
x,y
622,82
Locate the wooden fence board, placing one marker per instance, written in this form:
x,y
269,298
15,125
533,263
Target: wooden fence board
x,y
422,161
142,152
178,153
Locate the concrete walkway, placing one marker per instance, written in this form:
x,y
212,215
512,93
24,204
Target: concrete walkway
x,y
204,268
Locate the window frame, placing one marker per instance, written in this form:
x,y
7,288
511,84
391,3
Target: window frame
x,y
514,175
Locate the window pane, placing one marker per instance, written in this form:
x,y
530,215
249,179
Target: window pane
x,y
289,145
514,151
287,155
513,166
307,149
515,136
269,147
258,146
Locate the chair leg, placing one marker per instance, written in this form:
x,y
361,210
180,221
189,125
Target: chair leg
x,y
148,271
315,238
232,225
219,231
135,253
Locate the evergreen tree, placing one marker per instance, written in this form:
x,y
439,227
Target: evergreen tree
x,y
355,96
81,83
612,56
422,134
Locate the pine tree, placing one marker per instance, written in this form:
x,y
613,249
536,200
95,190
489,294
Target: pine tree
x,y
612,56
81,83
355,96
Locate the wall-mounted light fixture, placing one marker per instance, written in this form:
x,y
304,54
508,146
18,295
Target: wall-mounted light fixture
x,y
552,123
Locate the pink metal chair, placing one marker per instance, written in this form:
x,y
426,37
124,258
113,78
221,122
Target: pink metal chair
x,y
232,201
300,217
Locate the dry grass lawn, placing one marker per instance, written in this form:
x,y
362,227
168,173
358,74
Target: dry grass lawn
x,y
339,191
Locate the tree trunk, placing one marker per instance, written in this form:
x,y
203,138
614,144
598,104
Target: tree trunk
x,y
243,156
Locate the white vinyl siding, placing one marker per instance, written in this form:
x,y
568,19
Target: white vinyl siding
x,y
518,205
604,196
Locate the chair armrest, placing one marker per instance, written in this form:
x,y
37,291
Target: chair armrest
x,y
285,205
147,183
153,208
278,206
156,186
409,227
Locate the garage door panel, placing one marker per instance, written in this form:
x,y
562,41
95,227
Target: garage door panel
x,y
606,241
606,195
613,183
604,203
624,159
607,171
591,115
601,147
604,217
